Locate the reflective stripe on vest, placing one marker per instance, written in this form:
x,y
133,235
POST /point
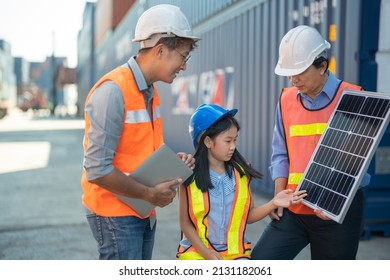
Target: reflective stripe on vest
x,y
294,178
303,129
198,210
307,129
193,255
141,116
131,151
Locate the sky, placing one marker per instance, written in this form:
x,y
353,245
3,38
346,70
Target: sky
x,y
35,28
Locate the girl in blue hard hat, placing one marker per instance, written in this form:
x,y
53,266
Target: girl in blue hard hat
x,y
215,202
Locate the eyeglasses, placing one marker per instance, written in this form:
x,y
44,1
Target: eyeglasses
x,y
185,58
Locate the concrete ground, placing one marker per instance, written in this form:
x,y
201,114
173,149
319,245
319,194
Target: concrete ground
x,y
40,201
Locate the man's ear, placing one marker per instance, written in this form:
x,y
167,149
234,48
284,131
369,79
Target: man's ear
x,y
159,49
325,66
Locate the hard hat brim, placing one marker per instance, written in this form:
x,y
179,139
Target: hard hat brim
x,y
197,130
288,72
231,112
183,36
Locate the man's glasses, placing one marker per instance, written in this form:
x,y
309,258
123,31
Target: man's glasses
x,y
185,58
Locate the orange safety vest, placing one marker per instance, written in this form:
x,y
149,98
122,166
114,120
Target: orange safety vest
x,y
303,129
139,139
198,210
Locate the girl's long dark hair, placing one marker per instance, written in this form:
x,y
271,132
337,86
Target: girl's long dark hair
x,y
201,173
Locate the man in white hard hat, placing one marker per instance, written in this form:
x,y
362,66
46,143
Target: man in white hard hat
x,y
301,116
124,127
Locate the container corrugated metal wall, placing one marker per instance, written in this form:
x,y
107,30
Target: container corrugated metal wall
x,y
377,195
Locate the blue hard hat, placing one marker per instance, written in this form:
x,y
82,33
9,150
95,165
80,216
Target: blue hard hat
x,y
204,116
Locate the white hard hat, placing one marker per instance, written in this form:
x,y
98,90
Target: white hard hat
x,y
298,50
161,21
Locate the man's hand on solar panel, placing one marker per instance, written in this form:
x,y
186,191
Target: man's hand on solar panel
x,y
320,214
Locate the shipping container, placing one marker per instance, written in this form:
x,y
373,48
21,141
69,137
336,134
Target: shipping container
x,y
109,13
7,79
85,71
234,67
117,48
377,195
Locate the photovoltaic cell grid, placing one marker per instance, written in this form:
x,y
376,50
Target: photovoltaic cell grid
x,y
344,152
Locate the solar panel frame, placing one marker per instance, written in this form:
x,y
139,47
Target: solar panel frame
x,y
344,152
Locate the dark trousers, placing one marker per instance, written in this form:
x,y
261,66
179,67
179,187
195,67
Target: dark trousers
x,y
329,240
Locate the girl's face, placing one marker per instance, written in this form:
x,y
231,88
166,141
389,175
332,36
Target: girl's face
x,y
222,147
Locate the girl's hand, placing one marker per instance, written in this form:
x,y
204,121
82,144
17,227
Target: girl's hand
x,y
286,198
212,255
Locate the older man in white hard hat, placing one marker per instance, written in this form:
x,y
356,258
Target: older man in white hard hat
x,y
301,117
124,127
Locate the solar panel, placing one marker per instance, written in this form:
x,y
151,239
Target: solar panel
x,y
344,151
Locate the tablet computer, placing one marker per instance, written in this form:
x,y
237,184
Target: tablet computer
x,y
161,166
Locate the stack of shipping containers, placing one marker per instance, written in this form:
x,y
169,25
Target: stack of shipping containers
x,y
7,79
86,54
234,67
